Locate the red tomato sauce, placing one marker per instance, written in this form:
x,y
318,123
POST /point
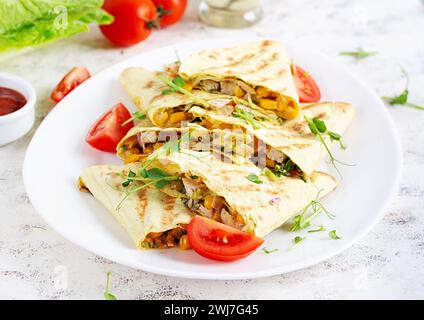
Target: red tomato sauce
x,y
10,101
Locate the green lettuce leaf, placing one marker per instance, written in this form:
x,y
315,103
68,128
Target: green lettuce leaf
x,y
32,22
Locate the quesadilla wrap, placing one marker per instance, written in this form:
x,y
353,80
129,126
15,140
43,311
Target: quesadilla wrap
x,y
150,217
257,71
238,195
165,108
141,141
279,145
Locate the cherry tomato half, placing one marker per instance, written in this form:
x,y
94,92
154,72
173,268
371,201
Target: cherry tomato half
x,y
69,82
170,11
134,21
217,241
306,86
108,130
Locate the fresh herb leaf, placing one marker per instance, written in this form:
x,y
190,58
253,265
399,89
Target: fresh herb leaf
x,y
160,184
107,294
298,239
288,169
254,178
321,228
168,91
176,85
178,81
156,173
136,115
247,117
333,235
359,53
301,221
337,137
402,99
318,128
268,251
320,125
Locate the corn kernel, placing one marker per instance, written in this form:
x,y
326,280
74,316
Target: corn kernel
x,y
177,117
132,158
160,118
270,163
188,85
238,92
183,243
262,92
288,109
208,202
268,104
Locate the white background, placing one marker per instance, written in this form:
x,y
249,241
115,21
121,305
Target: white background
x,y
35,262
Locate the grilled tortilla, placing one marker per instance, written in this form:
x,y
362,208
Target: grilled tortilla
x,y
150,217
281,141
141,141
260,71
222,191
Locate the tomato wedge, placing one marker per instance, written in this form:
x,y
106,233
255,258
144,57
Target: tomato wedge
x,y
306,86
70,81
217,241
108,130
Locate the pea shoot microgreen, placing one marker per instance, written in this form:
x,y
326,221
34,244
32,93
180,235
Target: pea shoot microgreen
x,y
359,53
148,177
254,178
288,169
319,229
301,221
177,85
333,235
107,294
247,117
136,115
268,251
319,128
402,99
296,241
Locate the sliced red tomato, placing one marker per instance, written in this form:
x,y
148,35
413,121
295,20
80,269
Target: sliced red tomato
x,y
108,130
306,86
134,21
69,82
217,241
170,11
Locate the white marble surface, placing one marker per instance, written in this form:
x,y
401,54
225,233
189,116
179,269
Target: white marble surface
x,y
37,263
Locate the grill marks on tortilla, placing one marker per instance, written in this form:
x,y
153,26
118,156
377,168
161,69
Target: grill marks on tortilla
x,y
142,203
169,205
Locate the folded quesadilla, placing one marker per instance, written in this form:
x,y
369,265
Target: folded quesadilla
x,y
278,145
257,71
141,141
151,218
237,195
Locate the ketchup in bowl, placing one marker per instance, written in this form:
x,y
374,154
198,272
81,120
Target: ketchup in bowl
x,y
10,101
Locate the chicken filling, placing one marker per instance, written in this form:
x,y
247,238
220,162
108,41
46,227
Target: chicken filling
x,y
284,106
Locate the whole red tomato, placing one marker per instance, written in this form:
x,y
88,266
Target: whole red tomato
x,y
134,21
170,11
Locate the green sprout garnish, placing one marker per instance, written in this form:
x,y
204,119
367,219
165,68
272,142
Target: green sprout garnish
x,y
301,221
247,117
136,115
321,228
296,241
333,235
107,294
254,178
177,85
402,99
359,53
289,169
268,251
319,128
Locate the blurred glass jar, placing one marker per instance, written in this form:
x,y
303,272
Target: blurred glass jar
x,y
230,13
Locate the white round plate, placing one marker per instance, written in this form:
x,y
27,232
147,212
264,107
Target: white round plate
x,y
58,153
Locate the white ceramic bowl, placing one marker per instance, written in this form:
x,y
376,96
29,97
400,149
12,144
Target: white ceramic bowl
x,y
16,124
